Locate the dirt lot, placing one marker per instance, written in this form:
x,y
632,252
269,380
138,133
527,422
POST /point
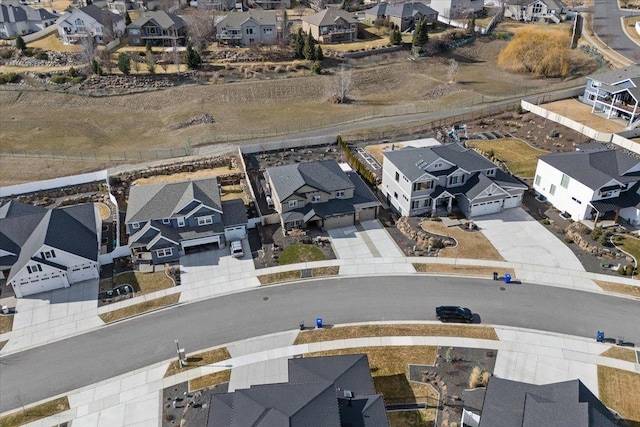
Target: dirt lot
x,y
38,122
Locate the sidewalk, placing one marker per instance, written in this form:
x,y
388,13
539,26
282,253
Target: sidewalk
x,y
133,399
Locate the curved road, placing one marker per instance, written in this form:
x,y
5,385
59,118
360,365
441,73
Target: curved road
x,y
63,366
608,26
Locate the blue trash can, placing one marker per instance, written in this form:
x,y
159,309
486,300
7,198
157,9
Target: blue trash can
x,y
600,336
319,322
507,278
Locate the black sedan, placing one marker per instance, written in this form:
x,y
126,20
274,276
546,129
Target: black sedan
x,y
452,313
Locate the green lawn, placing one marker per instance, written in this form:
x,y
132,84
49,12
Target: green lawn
x,y
520,157
301,253
630,245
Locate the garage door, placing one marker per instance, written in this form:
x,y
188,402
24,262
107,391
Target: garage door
x,y
512,202
485,208
235,233
339,221
201,241
367,214
81,273
43,284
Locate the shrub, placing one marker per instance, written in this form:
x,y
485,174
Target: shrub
x,y
537,52
568,239
554,133
316,68
9,78
61,79
475,377
6,53
72,72
596,233
28,52
545,221
438,244
42,55
621,270
628,270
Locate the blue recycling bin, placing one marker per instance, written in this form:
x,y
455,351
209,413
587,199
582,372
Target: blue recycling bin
x,y
600,336
507,278
319,322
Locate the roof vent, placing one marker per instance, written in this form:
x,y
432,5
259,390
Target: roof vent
x,y
348,394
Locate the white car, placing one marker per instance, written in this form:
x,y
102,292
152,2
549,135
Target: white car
x,y
236,249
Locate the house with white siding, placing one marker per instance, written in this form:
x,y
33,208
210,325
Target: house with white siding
x,y
430,180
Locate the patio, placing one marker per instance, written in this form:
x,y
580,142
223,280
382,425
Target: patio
x,y
577,111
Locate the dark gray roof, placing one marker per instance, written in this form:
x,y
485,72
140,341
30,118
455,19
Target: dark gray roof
x,y
54,228
411,160
403,10
627,199
551,4
313,396
617,75
474,185
234,213
160,18
235,19
329,17
13,208
325,175
21,13
512,403
103,16
164,200
595,168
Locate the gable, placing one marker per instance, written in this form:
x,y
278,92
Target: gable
x,y
491,191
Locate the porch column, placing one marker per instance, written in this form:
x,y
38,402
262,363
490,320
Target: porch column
x,y
595,222
449,204
615,219
633,115
593,107
610,108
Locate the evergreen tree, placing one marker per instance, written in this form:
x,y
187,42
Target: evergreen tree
x,y
127,18
420,35
395,38
20,43
96,68
192,58
319,53
309,49
124,63
297,44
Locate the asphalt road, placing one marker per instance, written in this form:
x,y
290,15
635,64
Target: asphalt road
x,y
608,26
63,366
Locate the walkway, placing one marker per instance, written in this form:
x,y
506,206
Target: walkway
x,y
133,399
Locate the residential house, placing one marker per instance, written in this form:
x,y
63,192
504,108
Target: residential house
x,y
157,28
270,4
534,10
507,403
404,16
248,28
119,6
46,249
591,183
615,93
320,194
216,4
166,220
457,9
423,180
90,22
329,391
331,26
17,19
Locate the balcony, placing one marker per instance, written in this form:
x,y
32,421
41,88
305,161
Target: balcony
x,y
337,30
227,35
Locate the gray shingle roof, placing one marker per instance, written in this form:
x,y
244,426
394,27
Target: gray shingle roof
x,y
325,175
163,200
21,13
551,4
236,19
408,159
404,10
53,228
348,372
234,213
595,168
570,403
617,75
329,17
103,16
160,18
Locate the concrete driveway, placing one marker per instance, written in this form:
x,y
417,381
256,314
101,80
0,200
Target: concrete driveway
x,y
369,239
520,238
215,272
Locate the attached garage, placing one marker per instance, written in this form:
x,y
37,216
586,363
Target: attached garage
x,y
512,201
485,208
41,284
83,272
339,221
367,214
235,233
201,241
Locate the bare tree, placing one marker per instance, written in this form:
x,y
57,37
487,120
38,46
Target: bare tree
x,y
342,84
200,28
136,59
88,47
165,61
177,56
452,72
105,60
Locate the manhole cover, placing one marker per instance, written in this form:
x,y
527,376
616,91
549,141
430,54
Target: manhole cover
x,y
265,298
502,288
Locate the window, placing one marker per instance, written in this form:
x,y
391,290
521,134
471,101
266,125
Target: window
x,y
552,190
340,194
164,252
152,30
537,8
181,221
395,195
491,172
564,182
249,30
437,165
296,223
34,268
576,200
267,30
538,179
397,176
135,225
79,25
293,203
205,220
48,254
419,186
457,179
315,198
166,220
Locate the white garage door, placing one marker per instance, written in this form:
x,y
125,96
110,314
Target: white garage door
x,y
339,221
486,208
235,233
85,272
512,201
201,241
43,284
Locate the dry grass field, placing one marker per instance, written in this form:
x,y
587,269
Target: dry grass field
x,y
471,245
41,122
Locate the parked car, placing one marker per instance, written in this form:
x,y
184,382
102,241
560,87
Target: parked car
x,y
236,249
448,313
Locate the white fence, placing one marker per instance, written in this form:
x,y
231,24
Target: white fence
x,y
38,35
638,27
118,252
32,187
605,137
113,44
285,145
